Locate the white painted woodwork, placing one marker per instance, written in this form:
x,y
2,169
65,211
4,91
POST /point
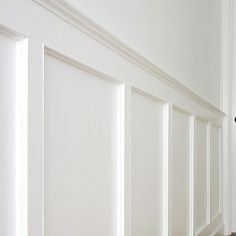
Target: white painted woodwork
x,y
13,134
173,34
116,146
215,171
36,138
7,136
80,21
201,175
229,106
180,173
147,166
81,152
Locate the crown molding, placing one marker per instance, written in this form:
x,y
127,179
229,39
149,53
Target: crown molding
x,y
74,17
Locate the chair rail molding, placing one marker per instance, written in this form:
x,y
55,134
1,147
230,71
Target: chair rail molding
x,y
74,17
91,116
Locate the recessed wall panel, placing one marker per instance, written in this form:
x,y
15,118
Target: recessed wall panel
x,y
146,166
81,152
215,171
8,136
201,173
180,173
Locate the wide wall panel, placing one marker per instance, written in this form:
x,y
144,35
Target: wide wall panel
x,y
147,165
96,140
7,136
201,174
81,163
215,171
181,218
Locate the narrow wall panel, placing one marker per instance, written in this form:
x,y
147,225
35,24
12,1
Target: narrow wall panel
x,y
7,136
181,173
146,166
201,174
215,171
81,152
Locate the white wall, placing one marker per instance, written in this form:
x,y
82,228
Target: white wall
x,y
146,173
229,88
81,152
13,133
182,37
232,124
111,140
7,136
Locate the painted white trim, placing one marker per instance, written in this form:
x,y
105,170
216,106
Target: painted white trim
x,y
220,212
73,62
201,229
43,139
167,156
10,33
170,143
209,172
207,223
228,61
190,168
120,160
21,129
166,163
123,140
211,228
127,161
36,140
217,230
217,215
21,165
221,169
74,17
191,173
148,95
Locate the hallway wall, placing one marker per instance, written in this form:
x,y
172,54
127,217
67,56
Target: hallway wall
x,y
7,136
182,37
230,81
107,142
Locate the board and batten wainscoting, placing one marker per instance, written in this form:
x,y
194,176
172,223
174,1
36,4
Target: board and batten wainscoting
x,y
113,145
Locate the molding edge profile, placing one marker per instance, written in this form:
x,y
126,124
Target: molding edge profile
x,y
11,33
70,61
74,17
